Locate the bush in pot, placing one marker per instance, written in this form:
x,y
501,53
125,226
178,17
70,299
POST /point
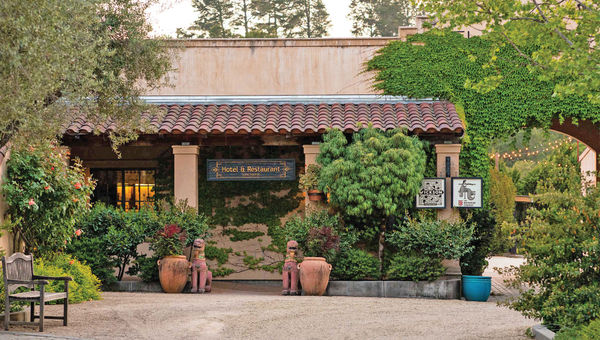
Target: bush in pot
x,y
309,182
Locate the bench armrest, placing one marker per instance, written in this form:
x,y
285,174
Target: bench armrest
x,y
26,282
64,278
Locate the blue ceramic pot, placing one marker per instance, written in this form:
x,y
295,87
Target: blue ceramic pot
x,y
476,288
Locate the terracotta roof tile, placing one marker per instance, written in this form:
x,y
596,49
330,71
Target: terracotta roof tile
x,y
418,117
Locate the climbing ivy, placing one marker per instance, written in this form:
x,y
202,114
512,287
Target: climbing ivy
x,y
234,204
445,65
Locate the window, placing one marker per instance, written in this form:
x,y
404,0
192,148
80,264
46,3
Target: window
x,y
127,188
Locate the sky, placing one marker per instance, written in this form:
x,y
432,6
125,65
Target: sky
x,y
168,15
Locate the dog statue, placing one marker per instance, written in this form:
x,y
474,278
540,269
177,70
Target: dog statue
x,y
201,276
290,270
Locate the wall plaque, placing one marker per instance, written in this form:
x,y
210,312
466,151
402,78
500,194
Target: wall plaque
x,y
251,169
432,194
466,192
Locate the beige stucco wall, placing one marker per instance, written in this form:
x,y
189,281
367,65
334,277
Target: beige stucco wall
x,y
272,66
587,161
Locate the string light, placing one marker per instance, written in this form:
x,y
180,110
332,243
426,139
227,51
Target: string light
x,y
527,152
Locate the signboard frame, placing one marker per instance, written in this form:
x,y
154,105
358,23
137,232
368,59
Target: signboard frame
x,y
287,173
454,180
443,182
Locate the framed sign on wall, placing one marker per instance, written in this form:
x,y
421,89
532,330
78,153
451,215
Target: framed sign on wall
x,y
432,194
467,192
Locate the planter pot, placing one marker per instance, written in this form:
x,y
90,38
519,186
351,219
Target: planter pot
x,y
476,288
314,275
173,273
315,195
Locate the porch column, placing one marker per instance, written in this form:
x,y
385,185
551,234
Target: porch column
x,y
186,173
311,152
450,152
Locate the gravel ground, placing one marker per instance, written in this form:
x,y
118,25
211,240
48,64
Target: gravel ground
x,y
234,311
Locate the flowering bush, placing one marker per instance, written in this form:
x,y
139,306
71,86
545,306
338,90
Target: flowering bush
x,y
85,285
169,241
45,197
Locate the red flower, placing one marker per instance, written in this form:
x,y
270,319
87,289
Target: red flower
x,y
77,185
172,229
78,232
31,202
72,261
75,200
47,187
52,168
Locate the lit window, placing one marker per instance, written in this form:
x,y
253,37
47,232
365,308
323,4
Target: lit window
x,y
129,189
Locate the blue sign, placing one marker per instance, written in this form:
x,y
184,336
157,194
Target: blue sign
x,y
251,169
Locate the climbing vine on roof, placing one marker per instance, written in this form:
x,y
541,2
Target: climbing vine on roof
x,y
445,65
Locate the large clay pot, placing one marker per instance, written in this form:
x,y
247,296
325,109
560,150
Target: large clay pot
x,y
314,275
173,273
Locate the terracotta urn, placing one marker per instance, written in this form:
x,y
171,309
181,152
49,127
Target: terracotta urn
x,y
314,275
173,273
315,195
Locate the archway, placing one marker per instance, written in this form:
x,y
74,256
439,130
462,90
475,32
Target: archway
x,y
586,132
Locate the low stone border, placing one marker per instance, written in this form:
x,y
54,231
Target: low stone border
x,y
440,289
542,333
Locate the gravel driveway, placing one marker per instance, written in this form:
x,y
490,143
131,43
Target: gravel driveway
x,y
238,312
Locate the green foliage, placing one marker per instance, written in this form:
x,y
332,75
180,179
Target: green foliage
x,y
146,268
221,271
239,235
562,251
355,264
379,18
436,239
298,228
310,179
415,267
322,242
219,254
590,331
92,54
502,203
562,34
85,285
109,238
45,197
483,224
447,65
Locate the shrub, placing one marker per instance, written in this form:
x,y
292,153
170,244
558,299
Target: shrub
x,y
502,201
590,331
562,252
45,197
169,241
110,237
85,285
355,264
322,242
194,224
436,239
474,262
298,228
146,268
310,179
415,267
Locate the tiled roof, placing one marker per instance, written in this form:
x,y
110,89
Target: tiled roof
x,y
417,117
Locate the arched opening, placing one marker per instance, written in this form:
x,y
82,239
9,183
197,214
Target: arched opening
x,y
588,133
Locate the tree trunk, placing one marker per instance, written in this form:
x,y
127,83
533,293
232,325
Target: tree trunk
x,y
381,249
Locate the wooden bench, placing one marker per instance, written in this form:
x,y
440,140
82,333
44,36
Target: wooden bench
x,y
17,271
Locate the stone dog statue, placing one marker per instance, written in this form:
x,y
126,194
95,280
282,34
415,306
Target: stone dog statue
x,y
201,276
290,270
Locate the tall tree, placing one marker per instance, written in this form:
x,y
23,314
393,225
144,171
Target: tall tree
x,y
272,16
565,35
215,19
310,19
379,18
66,58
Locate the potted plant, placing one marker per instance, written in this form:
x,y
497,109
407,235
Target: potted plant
x,y
476,287
168,245
309,182
183,225
318,240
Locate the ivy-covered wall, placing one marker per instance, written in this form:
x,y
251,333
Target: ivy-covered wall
x,y
245,242
445,65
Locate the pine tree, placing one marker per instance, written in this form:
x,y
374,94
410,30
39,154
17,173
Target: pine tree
x,y
379,17
273,17
214,20
310,19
